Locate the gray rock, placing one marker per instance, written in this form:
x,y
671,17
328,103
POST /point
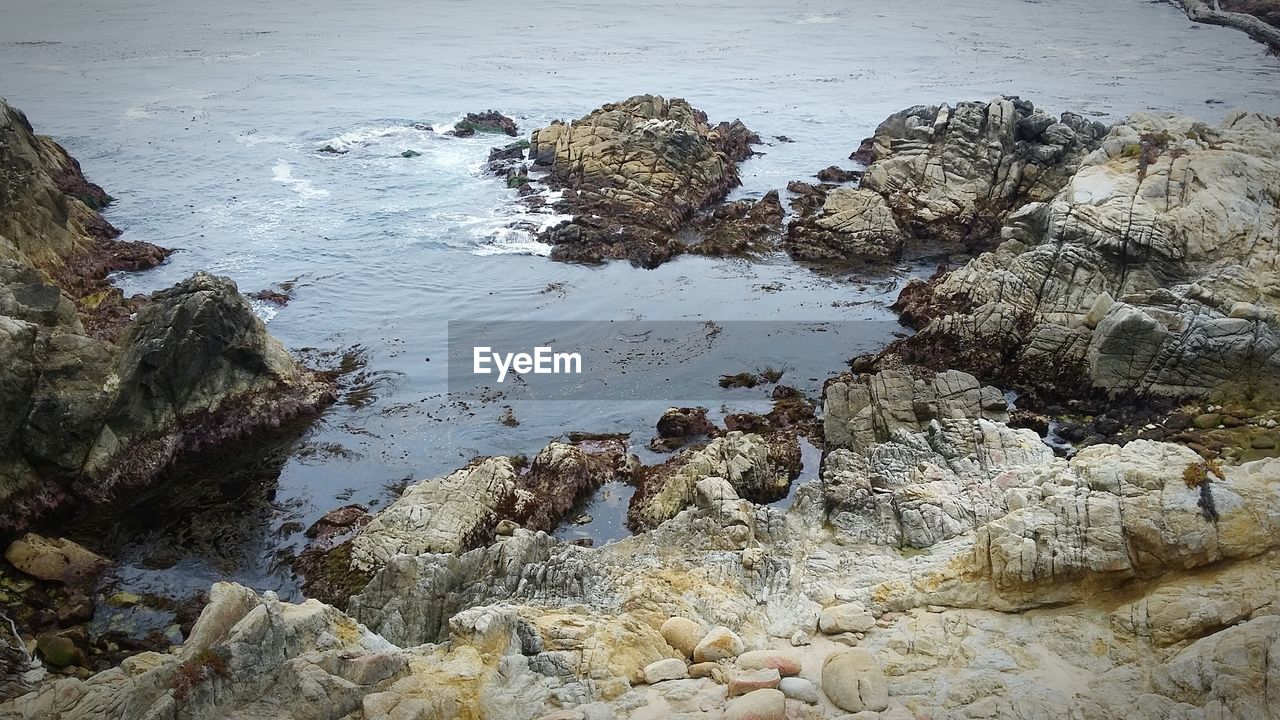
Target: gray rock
x,y
799,689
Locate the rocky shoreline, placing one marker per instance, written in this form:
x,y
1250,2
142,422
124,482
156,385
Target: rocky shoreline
x,y
100,393
1059,496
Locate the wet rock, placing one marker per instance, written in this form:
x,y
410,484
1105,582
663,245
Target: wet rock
x,y
681,424
55,559
668,669
720,643
743,228
837,174
634,174
767,704
757,467
852,225
59,652
853,681
338,522
490,121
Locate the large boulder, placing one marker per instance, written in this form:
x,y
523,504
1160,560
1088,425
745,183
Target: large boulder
x,y
1151,272
98,391
633,175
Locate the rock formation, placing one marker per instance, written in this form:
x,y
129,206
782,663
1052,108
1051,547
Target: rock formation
x,y
943,178
633,175
1151,271
96,390
943,564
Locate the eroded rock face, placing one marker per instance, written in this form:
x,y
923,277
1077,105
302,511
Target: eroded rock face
x,y
457,512
633,175
100,391
865,409
941,178
756,466
1151,271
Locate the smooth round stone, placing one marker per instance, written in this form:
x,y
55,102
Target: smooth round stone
x,y
719,644
786,663
758,705
682,634
668,669
799,689
752,680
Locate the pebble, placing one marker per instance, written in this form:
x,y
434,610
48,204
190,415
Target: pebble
x,y
800,639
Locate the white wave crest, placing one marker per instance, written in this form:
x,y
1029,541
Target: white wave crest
x,y
283,174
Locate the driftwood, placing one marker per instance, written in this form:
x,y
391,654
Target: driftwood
x,y
14,660
1264,33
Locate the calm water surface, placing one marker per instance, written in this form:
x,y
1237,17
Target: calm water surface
x,y
204,120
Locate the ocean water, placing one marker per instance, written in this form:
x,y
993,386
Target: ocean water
x,y
204,120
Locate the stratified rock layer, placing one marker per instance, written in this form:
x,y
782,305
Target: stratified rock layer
x,y
1151,271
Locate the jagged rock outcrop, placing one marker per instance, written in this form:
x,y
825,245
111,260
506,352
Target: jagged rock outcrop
x,y
758,467
1152,271
633,174
99,391
851,225
461,510
861,410
942,178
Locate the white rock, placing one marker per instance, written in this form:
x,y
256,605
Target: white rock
x,y
668,669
